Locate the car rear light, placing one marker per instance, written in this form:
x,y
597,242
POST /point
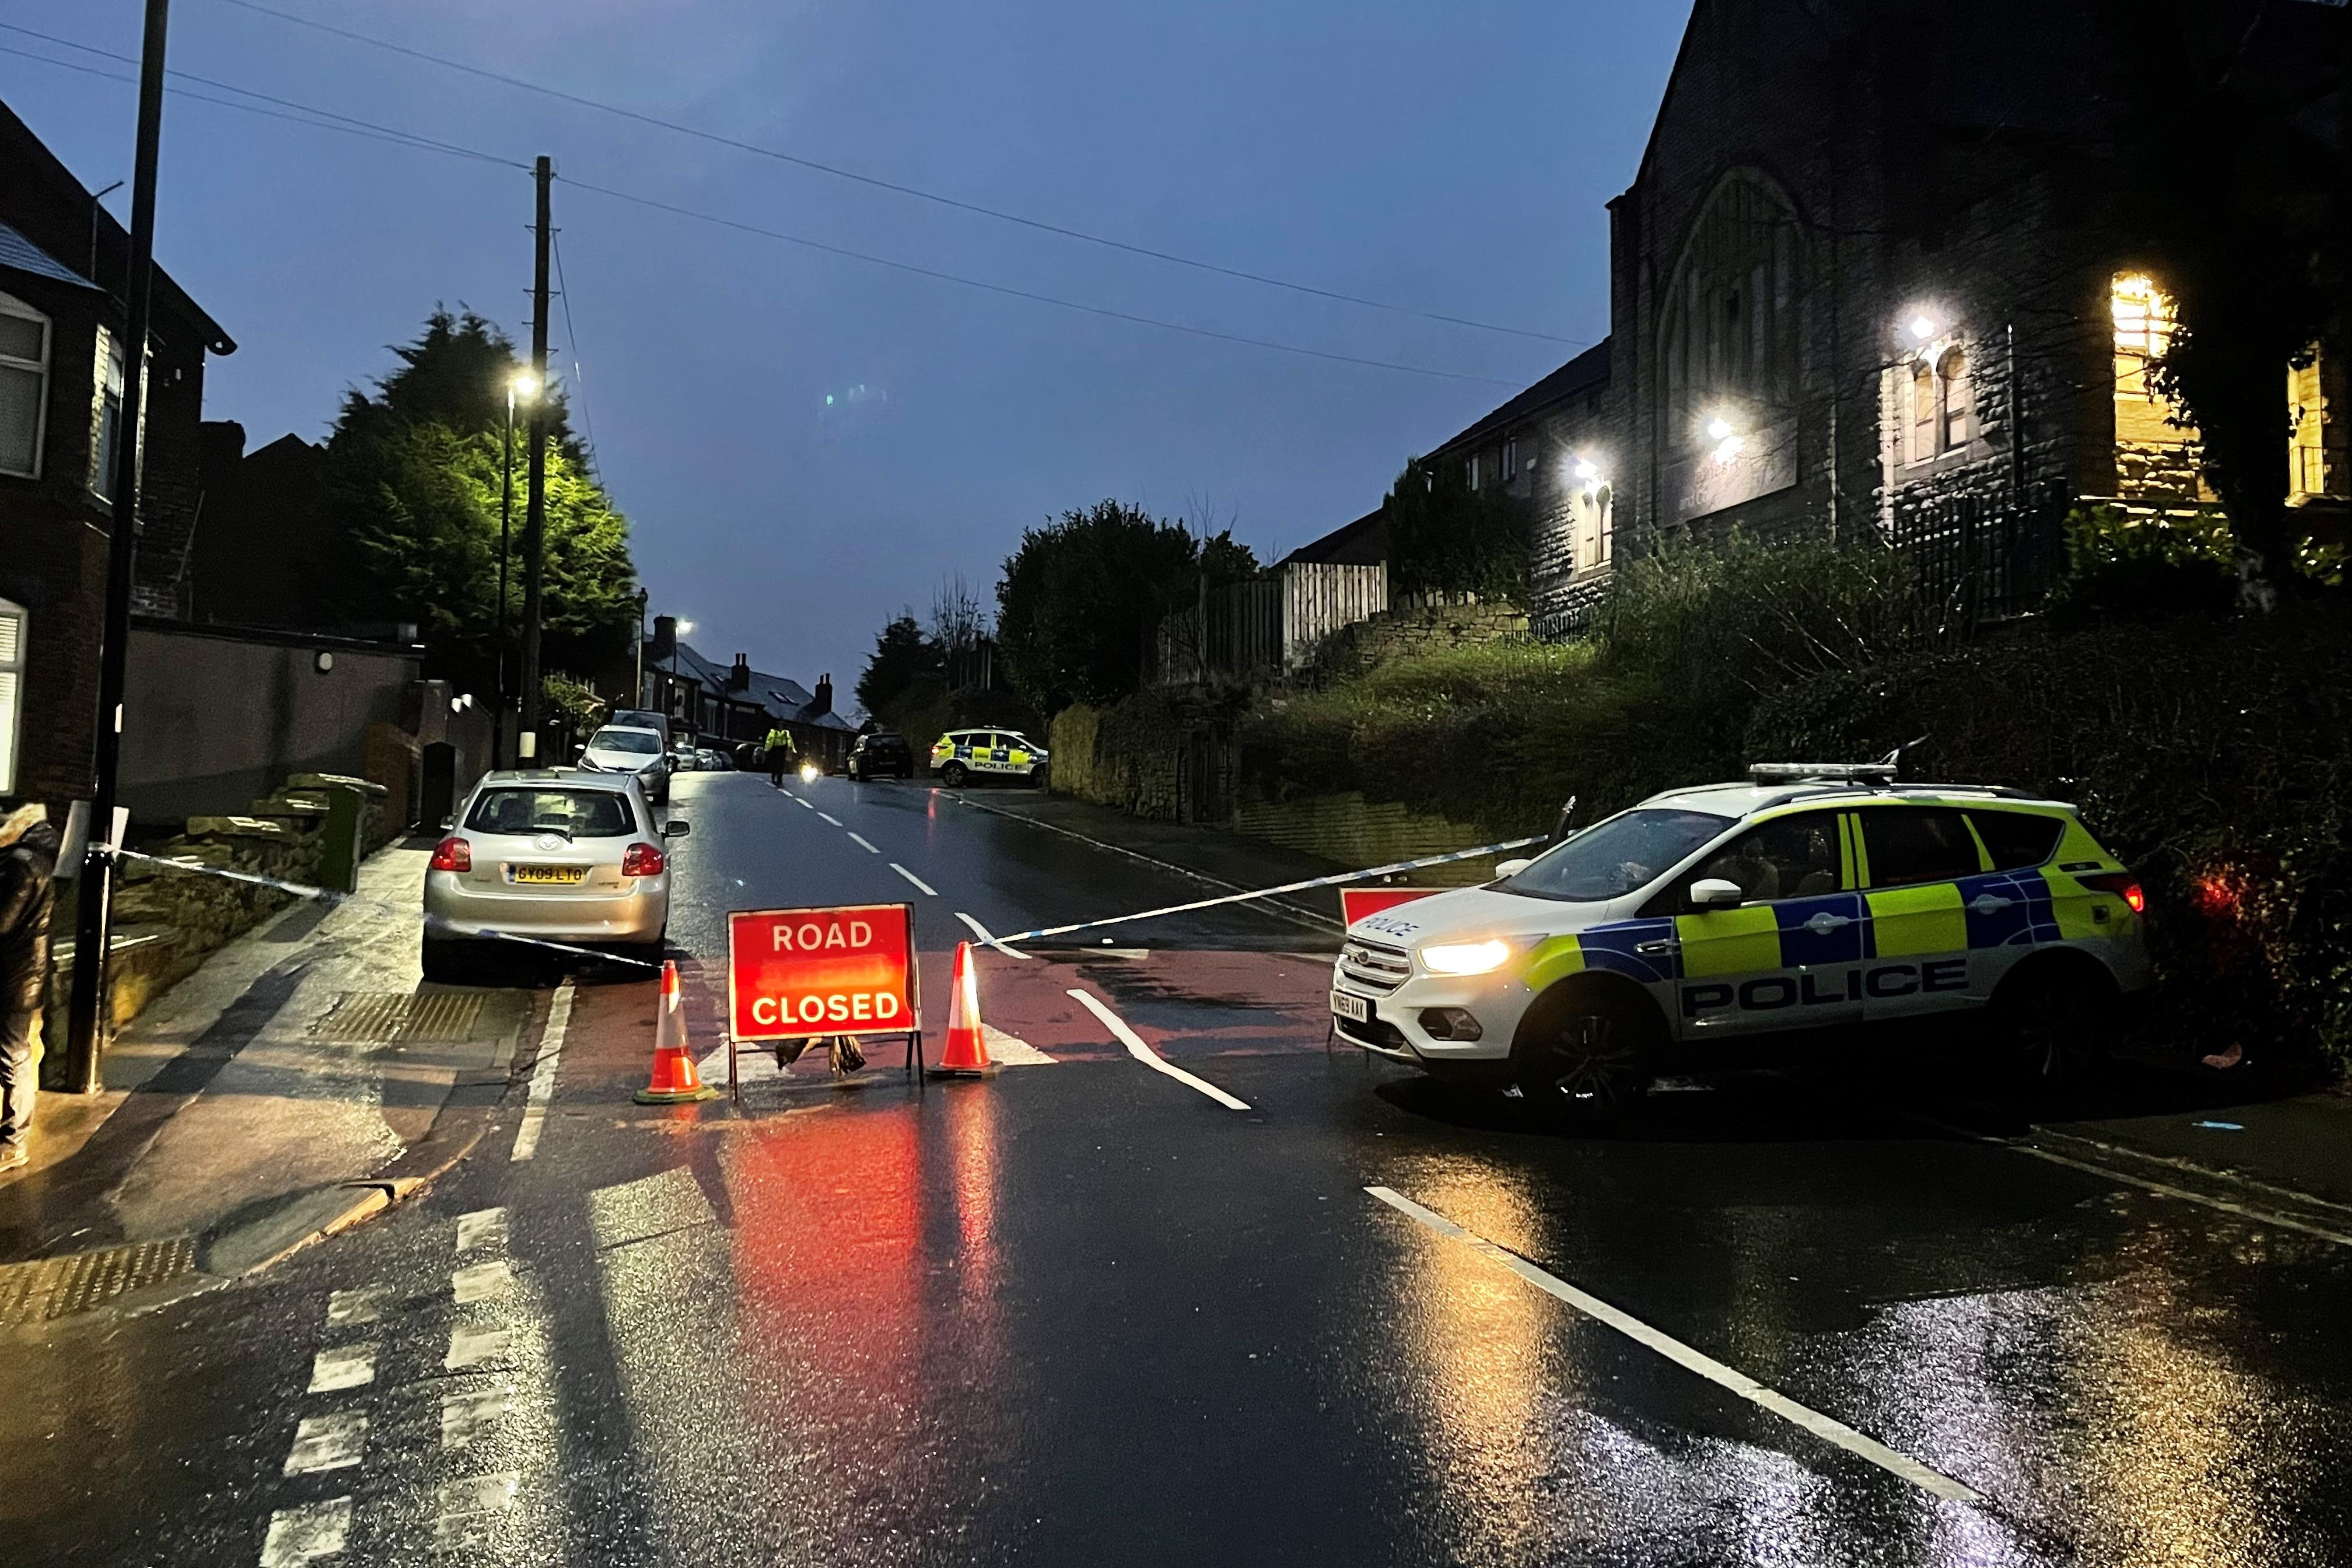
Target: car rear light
x,y
2123,884
453,853
643,860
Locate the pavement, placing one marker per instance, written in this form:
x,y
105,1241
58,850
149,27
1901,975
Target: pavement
x,y
1183,1286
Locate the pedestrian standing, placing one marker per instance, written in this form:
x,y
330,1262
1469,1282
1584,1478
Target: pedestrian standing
x,y
29,864
780,755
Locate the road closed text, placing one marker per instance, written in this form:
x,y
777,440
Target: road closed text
x,y
796,973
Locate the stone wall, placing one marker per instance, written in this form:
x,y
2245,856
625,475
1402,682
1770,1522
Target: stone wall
x,y
1354,831
1413,628
1128,757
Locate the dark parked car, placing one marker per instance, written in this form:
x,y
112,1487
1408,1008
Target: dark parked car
x,y
881,755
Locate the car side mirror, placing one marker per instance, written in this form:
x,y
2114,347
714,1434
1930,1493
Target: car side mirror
x,y
1715,893
581,749
1510,867
677,828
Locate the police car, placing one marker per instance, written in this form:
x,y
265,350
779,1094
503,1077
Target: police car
x,y
1807,896
963,754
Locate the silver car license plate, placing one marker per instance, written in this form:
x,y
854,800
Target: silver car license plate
x,y
1355,1009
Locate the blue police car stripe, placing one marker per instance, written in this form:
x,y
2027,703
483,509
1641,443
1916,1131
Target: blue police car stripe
x,y
2014,909
1611,947
1835,944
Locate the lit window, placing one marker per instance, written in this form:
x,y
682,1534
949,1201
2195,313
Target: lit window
x,y
2145,318
1471,468
1510,460
1923,411
23,385
12,692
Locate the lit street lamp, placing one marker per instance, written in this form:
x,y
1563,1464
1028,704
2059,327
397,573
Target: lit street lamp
x,y
522,385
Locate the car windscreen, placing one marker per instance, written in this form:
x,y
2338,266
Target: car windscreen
x,y
644,743
578,813
1619,856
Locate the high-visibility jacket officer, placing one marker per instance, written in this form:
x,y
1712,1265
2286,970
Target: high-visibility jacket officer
x,y
782,756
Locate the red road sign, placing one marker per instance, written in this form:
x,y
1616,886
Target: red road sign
x,y
793,974
1355,903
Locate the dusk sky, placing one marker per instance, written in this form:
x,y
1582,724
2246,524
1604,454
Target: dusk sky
x,y
804,443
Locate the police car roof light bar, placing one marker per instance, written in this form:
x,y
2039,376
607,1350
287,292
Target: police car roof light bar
x,y
1823,773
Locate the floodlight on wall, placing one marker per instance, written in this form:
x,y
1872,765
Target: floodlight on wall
x,y
1923,329
1718,430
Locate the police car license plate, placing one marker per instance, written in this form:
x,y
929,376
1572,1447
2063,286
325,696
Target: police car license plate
x,y
1355,1009
558,875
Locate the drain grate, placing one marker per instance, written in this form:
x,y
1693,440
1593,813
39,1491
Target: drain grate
x,y
60,1286
399,1017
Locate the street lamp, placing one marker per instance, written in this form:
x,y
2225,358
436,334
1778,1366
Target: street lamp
x,y
522,386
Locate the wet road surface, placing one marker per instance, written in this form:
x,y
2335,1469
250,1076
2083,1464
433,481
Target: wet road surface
x,y
1085,1314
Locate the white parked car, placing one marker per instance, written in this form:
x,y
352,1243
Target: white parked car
x,y
621,749
562,856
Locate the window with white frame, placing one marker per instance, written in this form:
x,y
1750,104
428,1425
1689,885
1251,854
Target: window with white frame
x,y
1510,459
106,417
12,692
1955,401
23,385
1470,470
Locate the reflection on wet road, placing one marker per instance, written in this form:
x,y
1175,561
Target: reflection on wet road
x,y
1082,1314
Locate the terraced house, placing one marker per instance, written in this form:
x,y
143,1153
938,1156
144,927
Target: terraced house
x,y
1880,270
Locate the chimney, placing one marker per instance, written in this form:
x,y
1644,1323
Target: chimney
x,y
824,703
739,678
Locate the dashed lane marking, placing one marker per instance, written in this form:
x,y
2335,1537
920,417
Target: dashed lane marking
x,y
466,1510
361,1304
327,1442
298,1535
482,1282
861,842
980,932
466,1417
1150,1057
483,1227
543,1074
1825,1428
477,1347
828,817
344,1366
928,890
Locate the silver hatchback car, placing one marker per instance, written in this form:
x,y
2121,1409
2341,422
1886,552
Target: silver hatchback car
x,y
560,855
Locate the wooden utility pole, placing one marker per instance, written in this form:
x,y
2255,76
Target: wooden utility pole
x,y
535,526
87,1024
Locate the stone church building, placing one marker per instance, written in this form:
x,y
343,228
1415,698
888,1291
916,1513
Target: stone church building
x,y
1872,275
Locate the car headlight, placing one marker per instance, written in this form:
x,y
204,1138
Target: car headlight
x,y
1465,957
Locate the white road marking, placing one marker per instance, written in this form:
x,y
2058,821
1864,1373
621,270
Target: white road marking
x,y
364,1304
298,1535
473,1347
327,1442
483,1227
2245,1211
465,1508
543,1074
466,1417
980,932
482,1282
863,845
802,802
830,817
1012,1050
1150,1057
345,1366
1683,1355
928,890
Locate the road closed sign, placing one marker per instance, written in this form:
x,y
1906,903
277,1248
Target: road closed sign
x,y
797,972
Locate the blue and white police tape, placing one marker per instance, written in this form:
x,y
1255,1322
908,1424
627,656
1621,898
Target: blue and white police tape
x,y
1421,864
439,925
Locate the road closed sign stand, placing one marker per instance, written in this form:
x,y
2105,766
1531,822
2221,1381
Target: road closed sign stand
x,y
801,974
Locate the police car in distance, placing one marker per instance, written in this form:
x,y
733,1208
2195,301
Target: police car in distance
x,y
960,755
1807,896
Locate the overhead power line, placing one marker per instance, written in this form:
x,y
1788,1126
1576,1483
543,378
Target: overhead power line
x,y
877,182
579,371
329,121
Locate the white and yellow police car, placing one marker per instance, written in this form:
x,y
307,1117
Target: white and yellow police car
x,y
961,755
1807,896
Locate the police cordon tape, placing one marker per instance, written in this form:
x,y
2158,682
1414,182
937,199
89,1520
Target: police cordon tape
x,y
1333,881
334,900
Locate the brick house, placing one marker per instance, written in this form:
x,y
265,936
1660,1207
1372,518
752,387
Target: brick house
x,y
1874,276
62,264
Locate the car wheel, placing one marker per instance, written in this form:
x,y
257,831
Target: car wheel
x,y
446,963
1589,1060
2051,1024
1038,776
953,775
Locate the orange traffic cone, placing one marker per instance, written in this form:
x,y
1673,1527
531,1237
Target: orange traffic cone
x,y
675,1079
967,1051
